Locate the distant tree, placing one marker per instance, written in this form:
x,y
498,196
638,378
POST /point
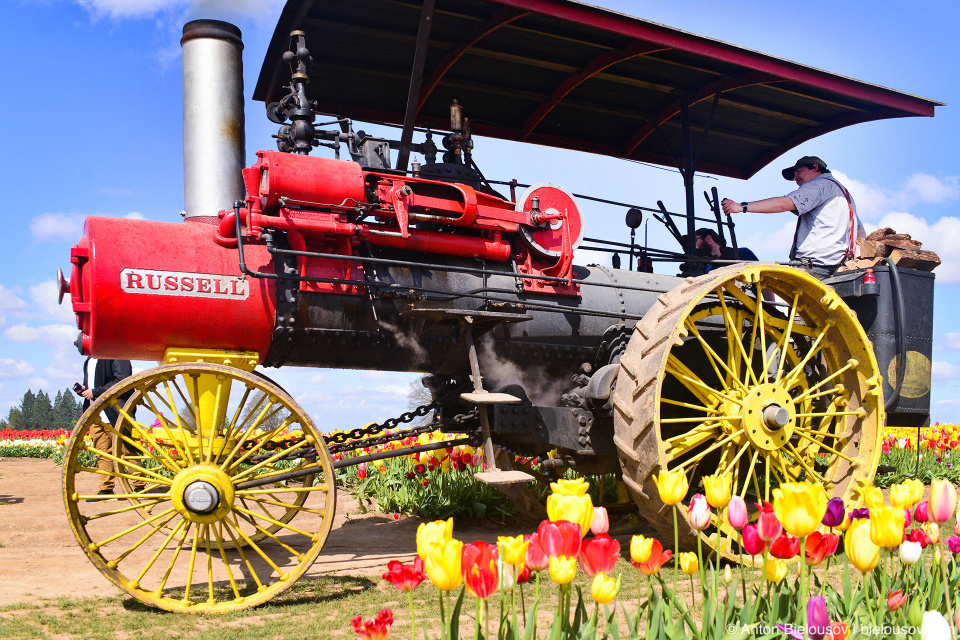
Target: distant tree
x,y
42,414
15,419
417,395
66,411
26,411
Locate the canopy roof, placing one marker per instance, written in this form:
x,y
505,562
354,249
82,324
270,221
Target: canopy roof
x,y
570,75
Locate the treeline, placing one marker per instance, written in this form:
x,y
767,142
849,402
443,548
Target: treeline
x,y
38,411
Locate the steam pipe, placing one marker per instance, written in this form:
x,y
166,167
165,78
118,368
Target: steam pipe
x,y
213,121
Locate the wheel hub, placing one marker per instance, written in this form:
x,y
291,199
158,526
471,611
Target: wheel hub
x,y
202,493
201,497
768,416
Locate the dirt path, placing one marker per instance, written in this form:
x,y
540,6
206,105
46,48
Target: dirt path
x,y
40,558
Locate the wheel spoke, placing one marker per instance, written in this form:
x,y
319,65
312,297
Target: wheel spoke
x,y
184,433
133,528
223,556
275,522
126,463
786,335
736,458
704,392
712,447
183,524
193,556
735,336
789,378
149,534
713,358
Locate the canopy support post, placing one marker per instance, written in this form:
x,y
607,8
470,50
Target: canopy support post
x,y
416,78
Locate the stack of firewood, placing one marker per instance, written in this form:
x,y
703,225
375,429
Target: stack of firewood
x,y
900,248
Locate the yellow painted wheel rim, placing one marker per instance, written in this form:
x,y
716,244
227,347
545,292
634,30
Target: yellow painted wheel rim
x,y
694,391
239,549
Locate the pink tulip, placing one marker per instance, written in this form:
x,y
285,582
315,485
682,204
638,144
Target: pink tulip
x,y
922,513
737,512
537,559
601,521
699,512
943,500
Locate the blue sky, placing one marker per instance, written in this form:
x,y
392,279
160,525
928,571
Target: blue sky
x,y
93,122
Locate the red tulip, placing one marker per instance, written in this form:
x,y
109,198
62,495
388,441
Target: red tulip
x,y
525,574
479,566
560,538
537,559
785,547
404,576
896,599
819,546
768,527
753,544
919,535
376,629
599,555
658,557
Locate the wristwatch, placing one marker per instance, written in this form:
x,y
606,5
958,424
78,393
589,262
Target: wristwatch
x,y
744,205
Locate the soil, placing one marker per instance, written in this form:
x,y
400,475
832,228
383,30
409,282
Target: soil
x,y
40,558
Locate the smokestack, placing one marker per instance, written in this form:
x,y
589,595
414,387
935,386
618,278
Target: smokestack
x,y
213,136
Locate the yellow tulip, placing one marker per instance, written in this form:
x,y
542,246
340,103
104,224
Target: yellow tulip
x,y
886,526
443,564
576,487
900,495
436,531
513,550
916,490
578,509
640,549
689,563
774,570
604,589
873,497
717,488
562,569
799,506
672,486
861,550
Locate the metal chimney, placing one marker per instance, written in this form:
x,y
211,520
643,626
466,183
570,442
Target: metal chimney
x,y
213,131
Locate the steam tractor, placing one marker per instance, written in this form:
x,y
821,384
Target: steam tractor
x,y
378,260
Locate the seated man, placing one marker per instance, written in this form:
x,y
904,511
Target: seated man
x,y
710,244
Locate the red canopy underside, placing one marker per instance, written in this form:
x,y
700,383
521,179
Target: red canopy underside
x,y
570,75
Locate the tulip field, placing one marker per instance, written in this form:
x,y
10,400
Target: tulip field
x,y
811,565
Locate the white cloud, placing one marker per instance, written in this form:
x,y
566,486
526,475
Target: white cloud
x,y
222,9
317,378
919,188
944,370
11,368
10,301
942,237
44,296
135,215
51,334
53,227
952,340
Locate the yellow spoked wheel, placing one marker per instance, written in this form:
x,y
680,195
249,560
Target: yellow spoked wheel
x,y
757,371
210,467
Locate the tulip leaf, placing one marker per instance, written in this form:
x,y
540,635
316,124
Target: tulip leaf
x,y
455,616
531,621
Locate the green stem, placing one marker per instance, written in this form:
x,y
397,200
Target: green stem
x,y
743,579
803,579
943,574
413,619
476,620
693,601
676,548
486,619
443,617
703,569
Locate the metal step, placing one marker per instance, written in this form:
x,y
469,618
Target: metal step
x,y
485,397
503,477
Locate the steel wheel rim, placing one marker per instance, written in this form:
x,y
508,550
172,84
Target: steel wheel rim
x,y
715,426
162,548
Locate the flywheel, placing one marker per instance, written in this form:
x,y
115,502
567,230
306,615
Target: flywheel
x,y
759,371
223,489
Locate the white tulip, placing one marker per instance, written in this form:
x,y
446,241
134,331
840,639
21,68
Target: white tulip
x,y
935,627
910,552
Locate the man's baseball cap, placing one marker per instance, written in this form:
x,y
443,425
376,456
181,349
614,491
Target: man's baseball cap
x,y
803,162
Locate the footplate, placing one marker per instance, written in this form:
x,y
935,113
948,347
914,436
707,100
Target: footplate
x,y
500,476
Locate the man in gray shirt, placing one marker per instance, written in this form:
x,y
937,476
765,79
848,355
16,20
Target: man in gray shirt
x,y
827,222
